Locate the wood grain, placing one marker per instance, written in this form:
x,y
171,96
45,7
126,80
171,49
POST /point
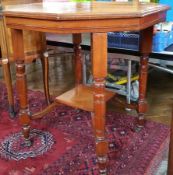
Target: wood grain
x,y
111,19
91,10
81,97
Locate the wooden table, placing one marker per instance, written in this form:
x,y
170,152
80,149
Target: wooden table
x,y
97,18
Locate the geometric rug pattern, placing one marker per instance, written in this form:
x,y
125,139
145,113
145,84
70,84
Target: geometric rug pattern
x,y
12,147
67,145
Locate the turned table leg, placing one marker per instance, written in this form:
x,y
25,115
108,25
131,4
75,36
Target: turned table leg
x,y
18,49
145,50
45,69
99,63
77,39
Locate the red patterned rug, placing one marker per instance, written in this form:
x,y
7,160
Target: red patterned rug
x,y
63,143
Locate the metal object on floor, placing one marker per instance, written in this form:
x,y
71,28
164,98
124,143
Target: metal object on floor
x,y
129,83
119,88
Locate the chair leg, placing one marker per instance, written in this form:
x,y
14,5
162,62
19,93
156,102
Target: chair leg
x,y
8,81
45,68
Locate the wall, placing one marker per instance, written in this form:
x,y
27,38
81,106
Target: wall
x,y
170,12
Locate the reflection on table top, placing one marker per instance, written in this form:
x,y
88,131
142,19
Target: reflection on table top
x,y
86,10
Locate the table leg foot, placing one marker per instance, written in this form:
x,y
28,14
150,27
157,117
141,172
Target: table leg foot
x,y
140,123
138,128
27,141
12,111
103,172
102,162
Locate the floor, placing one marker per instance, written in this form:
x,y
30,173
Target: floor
x,y
160,85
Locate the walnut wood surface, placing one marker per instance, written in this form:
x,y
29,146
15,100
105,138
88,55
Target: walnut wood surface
x,y
84,17
91,10
19,2
81,97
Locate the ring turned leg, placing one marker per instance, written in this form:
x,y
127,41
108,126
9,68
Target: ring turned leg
x,y
45,68
24,110
8,81
99,63
145,49
18,53
142,102
99,124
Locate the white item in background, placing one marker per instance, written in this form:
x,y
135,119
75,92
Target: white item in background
x,y
135,90
164,26
121,0
144,0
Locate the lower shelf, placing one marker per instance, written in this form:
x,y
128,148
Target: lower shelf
x,y
81,97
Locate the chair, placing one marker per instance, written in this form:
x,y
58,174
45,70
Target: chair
x,y
34,47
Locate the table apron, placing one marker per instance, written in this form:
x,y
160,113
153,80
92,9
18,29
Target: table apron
x,y
85,26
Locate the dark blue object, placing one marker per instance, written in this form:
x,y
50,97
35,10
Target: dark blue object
x,y
124,40
128,40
